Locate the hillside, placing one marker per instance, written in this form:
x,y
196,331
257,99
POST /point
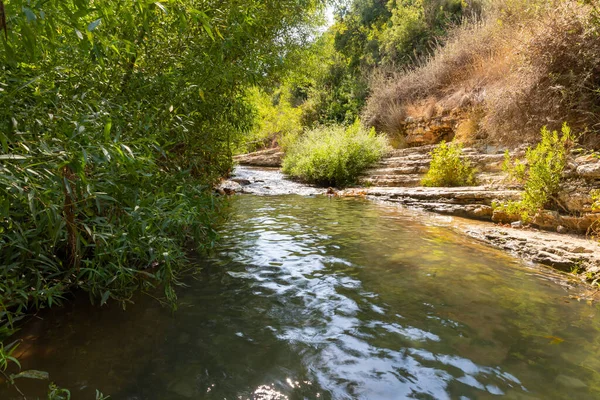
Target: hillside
x,y
498,79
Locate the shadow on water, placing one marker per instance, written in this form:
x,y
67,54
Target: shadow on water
x,y
326,298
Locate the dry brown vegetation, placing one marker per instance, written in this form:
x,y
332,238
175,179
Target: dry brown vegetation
x,y
523,65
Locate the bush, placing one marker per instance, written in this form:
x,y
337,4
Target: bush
x,y
334,155
541,174
448,168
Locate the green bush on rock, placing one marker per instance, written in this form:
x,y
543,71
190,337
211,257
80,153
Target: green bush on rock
x,y
448,168
541,174
334,155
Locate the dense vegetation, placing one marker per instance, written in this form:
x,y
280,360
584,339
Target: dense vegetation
x,y
334,155
116,118
332,82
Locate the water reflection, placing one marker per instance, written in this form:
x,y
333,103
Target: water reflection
x,y
338,299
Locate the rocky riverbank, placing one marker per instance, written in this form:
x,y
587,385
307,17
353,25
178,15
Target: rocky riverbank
x,y
555,238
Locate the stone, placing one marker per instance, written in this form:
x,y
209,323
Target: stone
x,y
229,187
263,158
561,229
241,181
589,171
501,216
516,224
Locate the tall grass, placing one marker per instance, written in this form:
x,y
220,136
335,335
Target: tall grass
x,y
334,155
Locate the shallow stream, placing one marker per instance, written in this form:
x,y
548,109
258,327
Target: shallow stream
x,y
312,297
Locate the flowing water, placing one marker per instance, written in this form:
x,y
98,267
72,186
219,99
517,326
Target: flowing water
x,y
331,298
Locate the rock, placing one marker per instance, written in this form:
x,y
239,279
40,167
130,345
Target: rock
x,y
546,248
589,171
229,187
263,158
575,195
516,224
501,216
241,181
561,229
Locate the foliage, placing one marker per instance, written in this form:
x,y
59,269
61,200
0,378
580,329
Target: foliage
x,y
277,121
334,155
366,35
595,194
542,174
57,393
6,356
116,118
448,167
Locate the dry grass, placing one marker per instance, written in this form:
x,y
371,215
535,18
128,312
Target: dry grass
x,y
526,64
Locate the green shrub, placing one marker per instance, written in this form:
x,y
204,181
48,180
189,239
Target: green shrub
x,y
596,200
594,229
448,168
334,155
541,174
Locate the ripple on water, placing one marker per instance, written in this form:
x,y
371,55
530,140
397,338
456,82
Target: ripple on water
x,y
340,299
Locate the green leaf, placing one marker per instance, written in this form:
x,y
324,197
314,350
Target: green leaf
x,y
29,14
208,29
32,374
107,129
94,24
161,6
105,297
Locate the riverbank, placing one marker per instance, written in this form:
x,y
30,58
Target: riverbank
x,y
468,208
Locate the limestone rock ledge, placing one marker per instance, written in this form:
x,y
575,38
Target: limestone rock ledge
x,y
568,253
263,158
469,202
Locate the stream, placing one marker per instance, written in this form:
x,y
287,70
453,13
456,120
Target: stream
x,y
317,297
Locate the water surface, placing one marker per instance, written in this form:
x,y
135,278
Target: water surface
x,y
329,298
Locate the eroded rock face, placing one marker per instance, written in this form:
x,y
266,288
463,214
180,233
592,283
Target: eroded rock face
x,y
589,170
263,158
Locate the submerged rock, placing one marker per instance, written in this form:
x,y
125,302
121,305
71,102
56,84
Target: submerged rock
x,y
564,252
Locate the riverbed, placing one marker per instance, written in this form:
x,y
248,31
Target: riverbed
x,y
322,297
